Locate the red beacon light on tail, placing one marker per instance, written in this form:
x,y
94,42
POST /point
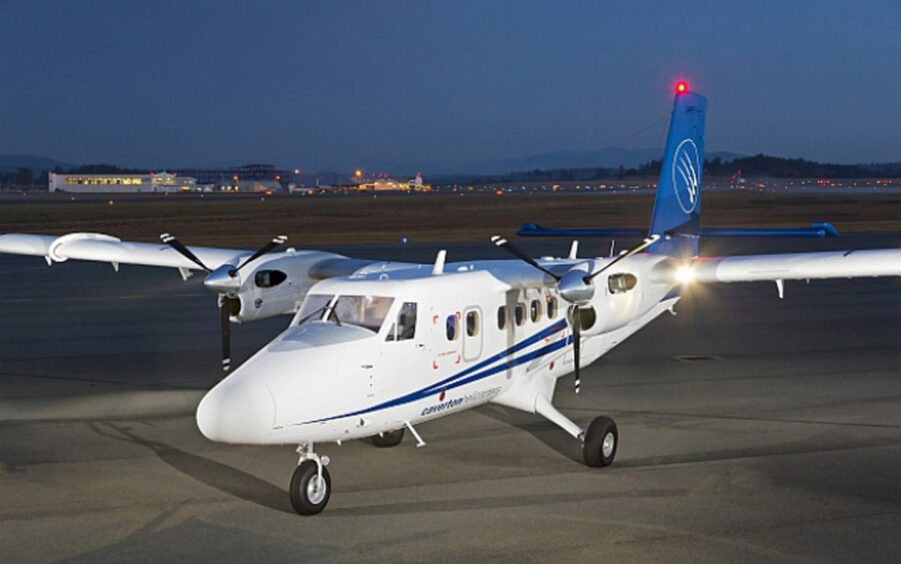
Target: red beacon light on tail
x,y
681,87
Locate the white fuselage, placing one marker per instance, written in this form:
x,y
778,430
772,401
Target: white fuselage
x,y
485,331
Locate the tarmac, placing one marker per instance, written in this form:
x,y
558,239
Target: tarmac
x,y
750,429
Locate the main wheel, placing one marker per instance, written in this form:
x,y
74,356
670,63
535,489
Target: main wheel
x,y
309,493
388,438
599,446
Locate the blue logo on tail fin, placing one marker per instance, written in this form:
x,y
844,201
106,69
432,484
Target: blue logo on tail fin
x,y
687,175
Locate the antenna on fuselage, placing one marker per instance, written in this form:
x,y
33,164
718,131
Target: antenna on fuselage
x,y
574,250
438,268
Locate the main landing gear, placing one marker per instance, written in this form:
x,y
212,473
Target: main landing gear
x,y
599,440
311,485
388,438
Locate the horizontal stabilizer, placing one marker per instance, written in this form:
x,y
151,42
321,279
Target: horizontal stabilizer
x,y
535,230
817,229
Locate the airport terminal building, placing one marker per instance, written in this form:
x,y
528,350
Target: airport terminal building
x,y
121,183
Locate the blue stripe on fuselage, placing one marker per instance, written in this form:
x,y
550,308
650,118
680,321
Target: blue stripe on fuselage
x,y
461,379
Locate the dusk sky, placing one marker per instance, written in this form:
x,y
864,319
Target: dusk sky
x,y
333,84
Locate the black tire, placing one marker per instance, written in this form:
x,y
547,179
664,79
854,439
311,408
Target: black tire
x,y
388,438
301,489
593,448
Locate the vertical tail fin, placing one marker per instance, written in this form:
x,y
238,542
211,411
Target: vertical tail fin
x,y
677,207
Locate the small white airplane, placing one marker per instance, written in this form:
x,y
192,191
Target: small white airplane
x,y
375,348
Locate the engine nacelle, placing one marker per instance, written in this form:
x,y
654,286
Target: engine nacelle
x,y
623,294
277,285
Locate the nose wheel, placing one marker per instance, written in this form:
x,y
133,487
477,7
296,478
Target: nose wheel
x,y
311,485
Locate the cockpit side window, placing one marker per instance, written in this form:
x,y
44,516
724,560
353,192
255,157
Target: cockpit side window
x,y
269,278
404,328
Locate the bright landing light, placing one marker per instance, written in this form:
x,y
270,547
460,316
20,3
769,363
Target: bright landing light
x,y
684,274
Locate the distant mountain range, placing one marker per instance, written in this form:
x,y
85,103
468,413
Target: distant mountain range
x,y
609,157
11,163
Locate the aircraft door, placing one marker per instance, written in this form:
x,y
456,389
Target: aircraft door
x,y
472,333
403,351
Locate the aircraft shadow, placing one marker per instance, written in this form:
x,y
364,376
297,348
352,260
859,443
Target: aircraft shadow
x,y
489,502
540,428
214,474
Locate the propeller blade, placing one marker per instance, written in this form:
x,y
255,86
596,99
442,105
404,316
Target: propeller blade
x,y
183,250
518,253
277,241
577,346
634,250
225,326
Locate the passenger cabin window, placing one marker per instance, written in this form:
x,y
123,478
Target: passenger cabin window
x,y
472,324
519,314
269,278
404,328
619,283
535,311
551,307
451,327
502,318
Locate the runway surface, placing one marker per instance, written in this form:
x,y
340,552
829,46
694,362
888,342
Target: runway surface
x,y
750,429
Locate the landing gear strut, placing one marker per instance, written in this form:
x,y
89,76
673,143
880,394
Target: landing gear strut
x,y
599,440
311,485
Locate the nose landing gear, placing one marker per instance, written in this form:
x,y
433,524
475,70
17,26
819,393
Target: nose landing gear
x,y
311,485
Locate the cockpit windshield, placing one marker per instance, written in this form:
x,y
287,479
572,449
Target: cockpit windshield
x,y
313,307
368,312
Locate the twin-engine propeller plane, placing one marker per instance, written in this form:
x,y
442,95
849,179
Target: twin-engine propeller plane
x,y
375,348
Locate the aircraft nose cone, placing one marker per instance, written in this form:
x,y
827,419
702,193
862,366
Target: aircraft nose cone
x,y
237,414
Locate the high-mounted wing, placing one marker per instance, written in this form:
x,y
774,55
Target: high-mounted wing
x,y
794,266
106,248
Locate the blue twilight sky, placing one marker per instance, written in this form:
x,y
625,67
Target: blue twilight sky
x,y
335,83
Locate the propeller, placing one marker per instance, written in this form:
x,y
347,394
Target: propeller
x,y
576,287
577,347
518,253
225,282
